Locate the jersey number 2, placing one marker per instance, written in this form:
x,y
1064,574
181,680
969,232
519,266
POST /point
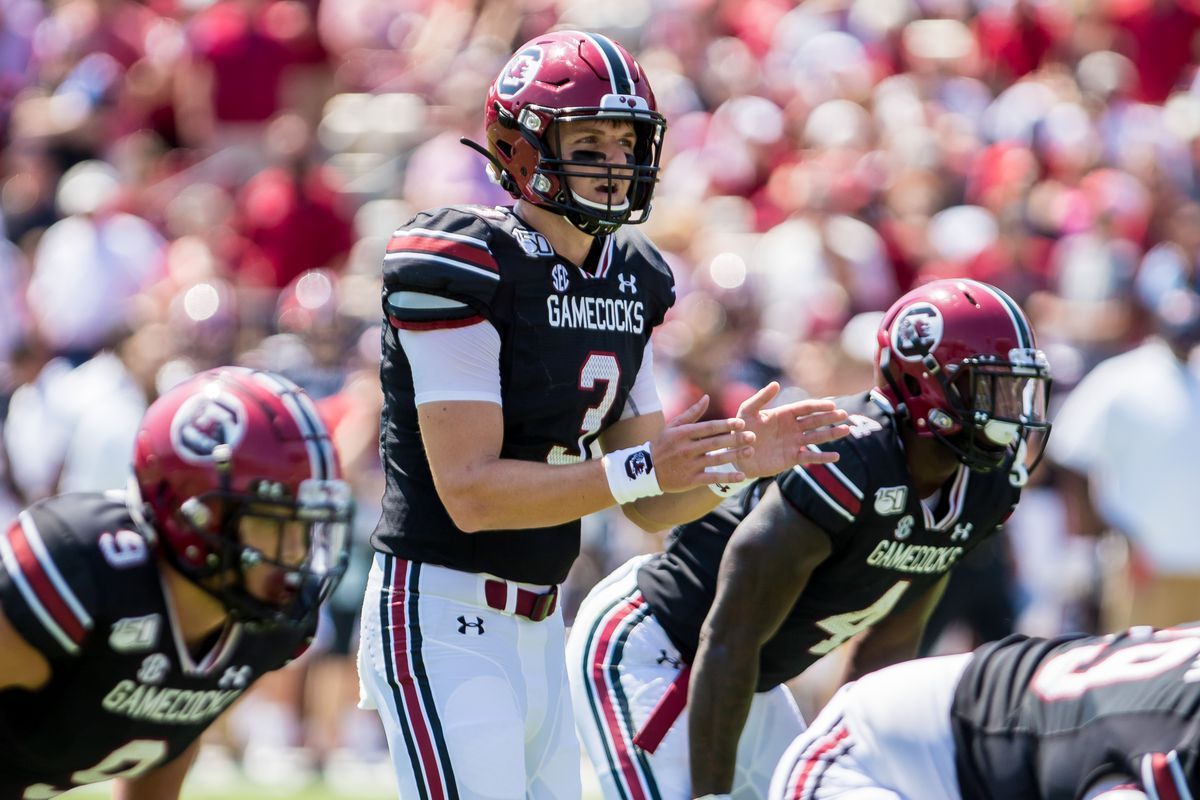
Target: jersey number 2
x,y
598,368
844,626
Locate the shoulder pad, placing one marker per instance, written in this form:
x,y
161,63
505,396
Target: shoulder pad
x,y
831,495
439,269
49,584
652,267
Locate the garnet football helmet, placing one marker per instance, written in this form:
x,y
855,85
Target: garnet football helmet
x,y
232,443
959,361
560,77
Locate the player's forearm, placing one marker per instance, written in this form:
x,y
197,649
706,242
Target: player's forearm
x,y
719,698
668,510
507,494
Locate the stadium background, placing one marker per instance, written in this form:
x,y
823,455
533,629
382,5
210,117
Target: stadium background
x,y
185,183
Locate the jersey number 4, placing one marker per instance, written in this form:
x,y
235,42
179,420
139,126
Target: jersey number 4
x,y
598,368
844,626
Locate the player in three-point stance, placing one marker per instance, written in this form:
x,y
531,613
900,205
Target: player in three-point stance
x,y
1072,718
677,660
130,620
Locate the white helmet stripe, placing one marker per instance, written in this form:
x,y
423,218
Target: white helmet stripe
x,y
1015,314
316,440
324,440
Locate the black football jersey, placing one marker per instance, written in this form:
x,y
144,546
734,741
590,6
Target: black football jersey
x,y
887,548
80,583
571,345
1046,718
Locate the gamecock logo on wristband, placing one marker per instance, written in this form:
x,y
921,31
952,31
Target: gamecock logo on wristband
x,y
638,464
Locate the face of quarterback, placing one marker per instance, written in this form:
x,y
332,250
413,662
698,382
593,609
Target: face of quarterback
x,y
605,143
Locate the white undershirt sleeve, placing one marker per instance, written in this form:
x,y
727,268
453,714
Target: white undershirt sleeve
x,y
643,395
454,363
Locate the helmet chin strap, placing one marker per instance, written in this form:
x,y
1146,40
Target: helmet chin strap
x,y
495,168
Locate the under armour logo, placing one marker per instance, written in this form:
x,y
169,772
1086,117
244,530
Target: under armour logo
x,y
961,531
235,678
477,625
665,658
627,283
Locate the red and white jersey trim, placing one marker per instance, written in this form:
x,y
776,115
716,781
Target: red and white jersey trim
x,y
42,585
832,486
958,496
1163,778
451,249
606,257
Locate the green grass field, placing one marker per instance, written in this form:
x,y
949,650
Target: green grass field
x,y
240,792
234,786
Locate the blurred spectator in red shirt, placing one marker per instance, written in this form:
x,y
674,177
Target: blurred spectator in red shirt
x,y
1015,40
1159,37
290,216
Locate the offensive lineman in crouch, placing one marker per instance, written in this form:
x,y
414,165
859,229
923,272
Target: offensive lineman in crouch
x,y
130,620
677,661
1073,718
518,340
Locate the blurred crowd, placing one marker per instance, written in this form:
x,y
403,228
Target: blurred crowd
x,y
187,183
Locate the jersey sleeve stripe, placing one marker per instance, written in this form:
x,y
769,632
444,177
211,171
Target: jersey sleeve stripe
x,y
480,257
434,325
487,272
834,485
474,241
841,476
819,489
42,586
1163,778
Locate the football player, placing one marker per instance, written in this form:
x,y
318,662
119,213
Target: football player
x,y
677,660
1096,717
130,620
517,341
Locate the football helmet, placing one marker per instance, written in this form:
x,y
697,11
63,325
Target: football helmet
x,y
959,361
560,77
232,443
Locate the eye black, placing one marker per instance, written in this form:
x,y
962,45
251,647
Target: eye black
x,y
591,156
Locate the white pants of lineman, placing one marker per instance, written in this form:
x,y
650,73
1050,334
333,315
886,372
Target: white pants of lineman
x,y
621,664
474,700
886,736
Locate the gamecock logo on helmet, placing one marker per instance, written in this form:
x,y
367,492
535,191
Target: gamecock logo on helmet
x,y
638,464
519,72
917,332
205,421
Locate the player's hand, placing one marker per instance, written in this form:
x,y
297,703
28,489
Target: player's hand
x,y
783,434
686,447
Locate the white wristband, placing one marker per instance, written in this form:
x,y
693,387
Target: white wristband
x,y
630,474
726,489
